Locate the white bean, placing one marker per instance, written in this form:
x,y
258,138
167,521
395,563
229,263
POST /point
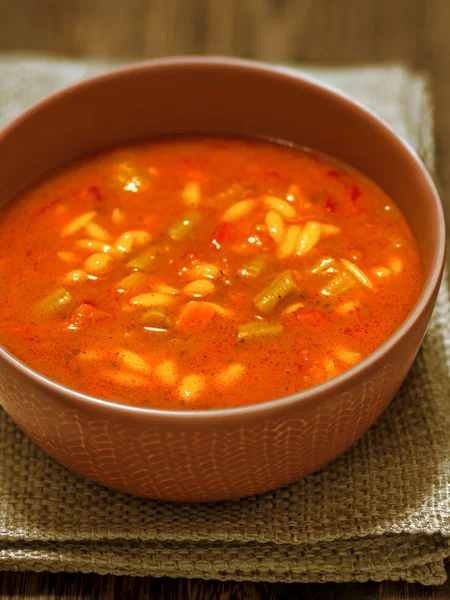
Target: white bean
x,y
199,288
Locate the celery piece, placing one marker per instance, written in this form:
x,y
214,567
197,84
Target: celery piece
x,y
55,302
145,261
155,318
182,229
258,329
326,265
254,268
281,287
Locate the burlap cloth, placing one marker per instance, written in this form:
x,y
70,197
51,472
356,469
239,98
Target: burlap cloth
x,y
380,511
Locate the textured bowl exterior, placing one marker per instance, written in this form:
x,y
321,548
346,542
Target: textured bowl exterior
x,y
218,455
199,462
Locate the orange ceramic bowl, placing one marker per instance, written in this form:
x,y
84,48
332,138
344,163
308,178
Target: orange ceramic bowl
x,y
230,453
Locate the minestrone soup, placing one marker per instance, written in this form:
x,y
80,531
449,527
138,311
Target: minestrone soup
x,y
202,272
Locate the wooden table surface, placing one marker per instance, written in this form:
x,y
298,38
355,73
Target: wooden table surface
x,y
325,32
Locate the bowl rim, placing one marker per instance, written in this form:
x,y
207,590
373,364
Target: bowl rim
x,y
315,393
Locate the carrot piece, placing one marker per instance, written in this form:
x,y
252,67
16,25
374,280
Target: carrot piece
x,y
315,315
223,235
85,315
196,315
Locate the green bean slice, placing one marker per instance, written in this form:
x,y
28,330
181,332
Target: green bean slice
x,y
182,229
254,268
55,302
256,330
281,287
155,318
145,261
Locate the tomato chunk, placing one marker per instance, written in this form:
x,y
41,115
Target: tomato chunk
x,y
223,235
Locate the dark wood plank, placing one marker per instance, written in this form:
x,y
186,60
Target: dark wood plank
x,y
64,586
320,31
399,590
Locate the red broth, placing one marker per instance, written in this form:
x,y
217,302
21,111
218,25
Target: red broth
x,y
202,272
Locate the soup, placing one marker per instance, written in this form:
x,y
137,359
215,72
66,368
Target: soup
x,y
202,272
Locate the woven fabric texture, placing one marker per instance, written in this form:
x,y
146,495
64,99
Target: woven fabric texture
x,y
380,511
